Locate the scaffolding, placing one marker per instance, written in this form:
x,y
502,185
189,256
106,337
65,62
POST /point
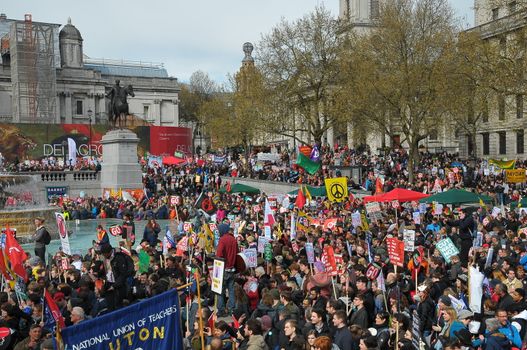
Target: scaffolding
x,y
33,75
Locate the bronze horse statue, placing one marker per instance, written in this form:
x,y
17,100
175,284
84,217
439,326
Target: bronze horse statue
x,y
118,108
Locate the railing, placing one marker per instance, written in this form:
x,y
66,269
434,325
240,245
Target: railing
x,y
57,176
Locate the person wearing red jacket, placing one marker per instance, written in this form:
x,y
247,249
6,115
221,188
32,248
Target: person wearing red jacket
x,y
227,250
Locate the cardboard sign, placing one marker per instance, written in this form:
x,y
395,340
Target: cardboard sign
x,y
395,251
355,219
409,240
187,227
438,209
515,175
174,200
218,269
447,249
268,252
395,204
252,257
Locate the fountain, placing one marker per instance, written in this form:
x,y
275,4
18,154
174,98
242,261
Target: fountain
x,y
21,202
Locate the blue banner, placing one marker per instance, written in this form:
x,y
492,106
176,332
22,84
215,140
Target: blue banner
x,y
154,323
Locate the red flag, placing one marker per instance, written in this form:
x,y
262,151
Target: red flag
x,y
235,322
15,254
300,199
52,314
228,187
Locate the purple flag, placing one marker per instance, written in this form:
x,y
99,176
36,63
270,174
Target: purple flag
x,y
315,154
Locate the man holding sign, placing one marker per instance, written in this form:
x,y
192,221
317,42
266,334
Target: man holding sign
x,y
227,250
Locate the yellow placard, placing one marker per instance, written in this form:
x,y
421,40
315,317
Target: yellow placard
x,y
515,175
337,189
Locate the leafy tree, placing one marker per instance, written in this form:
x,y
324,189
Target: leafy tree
x,y
398,76
299,64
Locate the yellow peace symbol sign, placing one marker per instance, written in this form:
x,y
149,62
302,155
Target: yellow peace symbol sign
x,y
337,191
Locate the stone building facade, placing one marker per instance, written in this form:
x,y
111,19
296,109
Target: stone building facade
x,y
501,133
45,77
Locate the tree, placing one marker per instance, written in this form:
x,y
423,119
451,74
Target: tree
x,y
398,76
299,64
192,95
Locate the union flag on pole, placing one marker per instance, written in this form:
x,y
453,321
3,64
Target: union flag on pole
x,y
52,315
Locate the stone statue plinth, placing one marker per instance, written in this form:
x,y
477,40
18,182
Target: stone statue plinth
x,y
120,166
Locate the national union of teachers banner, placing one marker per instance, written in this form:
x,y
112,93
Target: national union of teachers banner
x,y
151,324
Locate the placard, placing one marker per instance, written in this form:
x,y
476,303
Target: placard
x,y
187,227
416,334
63,233
438,209
417,217
252,257
115,230
268,252
409,240
447,249
515,175
262,241
356,219
293,227
395,251
218,268
310,252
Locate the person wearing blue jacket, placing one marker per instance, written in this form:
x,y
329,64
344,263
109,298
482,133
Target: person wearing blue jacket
x,y
507,329
451,326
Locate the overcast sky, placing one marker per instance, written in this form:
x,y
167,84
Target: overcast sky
x,y
185,35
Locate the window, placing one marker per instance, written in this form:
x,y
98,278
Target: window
x,y
495,13
78,107
486,143
146,109
519,106
502,139
501,107
512,7
519,141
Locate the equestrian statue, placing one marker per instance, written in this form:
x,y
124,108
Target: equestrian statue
x,y
118,107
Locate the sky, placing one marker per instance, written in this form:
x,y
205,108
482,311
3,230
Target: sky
x,y
185,35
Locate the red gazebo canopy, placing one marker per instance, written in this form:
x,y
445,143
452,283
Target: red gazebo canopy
x,y
398,194
170,160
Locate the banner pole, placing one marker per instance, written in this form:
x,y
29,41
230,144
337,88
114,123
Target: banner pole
x,y
200,316
334,289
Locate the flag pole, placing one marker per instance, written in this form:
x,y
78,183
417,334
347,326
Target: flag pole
x,y
200,317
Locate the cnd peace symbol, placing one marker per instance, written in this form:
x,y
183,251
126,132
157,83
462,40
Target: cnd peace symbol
x,y
337,191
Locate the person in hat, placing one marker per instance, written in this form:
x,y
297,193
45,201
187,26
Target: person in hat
x,y
227,249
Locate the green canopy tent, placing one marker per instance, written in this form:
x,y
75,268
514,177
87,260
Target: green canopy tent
x,y
456,196
314,191
239,188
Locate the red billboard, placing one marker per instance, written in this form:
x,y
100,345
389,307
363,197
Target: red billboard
x,y
36,141
165,140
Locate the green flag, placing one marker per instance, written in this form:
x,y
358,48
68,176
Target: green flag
x,y
503,164
144,261
307,164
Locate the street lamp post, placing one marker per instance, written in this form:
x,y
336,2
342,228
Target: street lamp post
x,y
90,113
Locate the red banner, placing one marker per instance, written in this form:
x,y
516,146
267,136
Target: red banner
x,y
330,224
328,258
396,251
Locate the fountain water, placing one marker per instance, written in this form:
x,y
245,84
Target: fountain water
x,y
21,202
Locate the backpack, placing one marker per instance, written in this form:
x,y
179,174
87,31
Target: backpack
x,y
46,237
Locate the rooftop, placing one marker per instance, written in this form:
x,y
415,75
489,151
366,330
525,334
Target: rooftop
x,y
126,68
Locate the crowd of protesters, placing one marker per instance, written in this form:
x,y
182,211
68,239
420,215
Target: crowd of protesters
x,y
287,301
